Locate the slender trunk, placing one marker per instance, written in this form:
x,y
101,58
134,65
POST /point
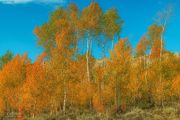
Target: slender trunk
x,y
145,77
87,62
115,97
87,58
116,94
65,97
20,115
34,110
104,56
149,86
161,51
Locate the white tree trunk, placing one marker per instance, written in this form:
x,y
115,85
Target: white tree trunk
x,y
161,51
65,98
87,59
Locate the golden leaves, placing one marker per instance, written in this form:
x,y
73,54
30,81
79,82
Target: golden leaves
x,y
176,86
2,107
97,103
142,46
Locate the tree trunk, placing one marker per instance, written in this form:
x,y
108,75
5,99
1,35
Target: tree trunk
x,y
87,58
20,115
65,97
116,94
145,68
161,51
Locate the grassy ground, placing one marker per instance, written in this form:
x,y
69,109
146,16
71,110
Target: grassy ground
x,y
166,113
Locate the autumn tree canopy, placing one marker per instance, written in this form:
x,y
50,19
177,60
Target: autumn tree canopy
x,y
68,77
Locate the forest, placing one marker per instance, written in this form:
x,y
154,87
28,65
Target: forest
x,y
67,81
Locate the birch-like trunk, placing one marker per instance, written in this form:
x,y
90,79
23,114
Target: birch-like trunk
x,y
87,58
161,51
65,98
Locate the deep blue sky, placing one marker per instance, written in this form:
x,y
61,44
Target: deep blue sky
x,y
17,22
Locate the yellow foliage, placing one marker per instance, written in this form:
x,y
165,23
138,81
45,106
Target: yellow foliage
x,y
97,103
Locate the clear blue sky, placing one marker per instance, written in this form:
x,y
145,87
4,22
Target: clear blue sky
x,y
18,18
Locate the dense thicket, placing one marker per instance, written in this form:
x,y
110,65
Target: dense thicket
x,y
66,78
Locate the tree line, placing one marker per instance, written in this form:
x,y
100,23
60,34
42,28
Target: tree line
x,y
64,77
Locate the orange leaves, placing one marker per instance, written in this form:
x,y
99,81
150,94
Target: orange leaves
x,y
91,16
160,92
142,47
41,57
34,89
122,50
62,40
38,32
133,88
156,49
13,72
66,36
112,23
121,57
60,30
176,86
97,103
73,7
78,69
85,92
35,74
60,81
12,78
82,96
119,69
2,106
155,32
21,82
99,74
